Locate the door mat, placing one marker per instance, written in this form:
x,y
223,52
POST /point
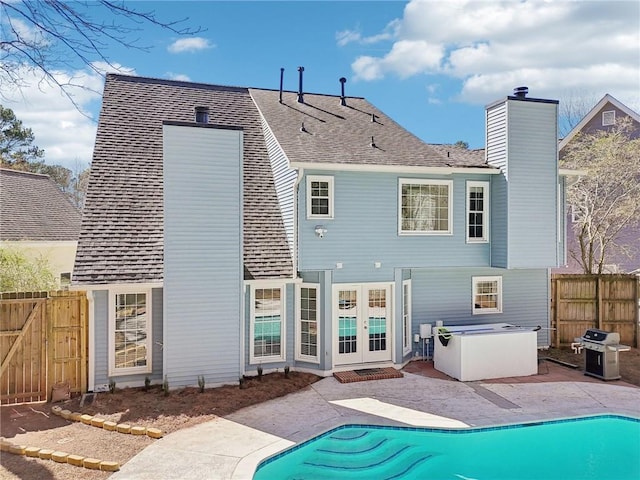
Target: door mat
x,y
367,374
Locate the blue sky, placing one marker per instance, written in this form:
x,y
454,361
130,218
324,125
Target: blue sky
x,y
430,65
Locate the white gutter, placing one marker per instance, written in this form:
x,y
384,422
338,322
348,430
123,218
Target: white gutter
x,y
348,167
294,260
107,286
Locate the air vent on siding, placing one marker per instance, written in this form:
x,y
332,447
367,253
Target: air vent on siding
x,y
202,114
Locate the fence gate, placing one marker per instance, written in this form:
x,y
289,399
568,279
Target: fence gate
x,y
43,341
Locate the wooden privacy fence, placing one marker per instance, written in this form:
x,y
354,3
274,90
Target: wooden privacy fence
x,y
43,341
606,302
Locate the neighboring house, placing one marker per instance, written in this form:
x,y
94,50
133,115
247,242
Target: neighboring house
x,y
229,228
603,116
37,218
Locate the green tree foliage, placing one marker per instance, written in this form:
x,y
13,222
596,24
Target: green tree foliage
x,y
16,141
19,273
462,144
606,199
18,152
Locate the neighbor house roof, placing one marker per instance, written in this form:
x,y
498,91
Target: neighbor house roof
x,y
606,103
33,208
122,233
320,132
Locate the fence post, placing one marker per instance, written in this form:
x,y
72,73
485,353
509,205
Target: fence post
x,y
599,305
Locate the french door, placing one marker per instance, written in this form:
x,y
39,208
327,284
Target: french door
x,y
362,323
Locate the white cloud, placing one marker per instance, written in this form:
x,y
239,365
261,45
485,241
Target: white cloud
x,y
192,44
65,134
178,76
492,46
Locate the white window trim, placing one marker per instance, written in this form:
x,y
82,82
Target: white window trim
x,y
407,332
604,114
485,212
253,360
320,178
485,311
113,371
298,346
424,181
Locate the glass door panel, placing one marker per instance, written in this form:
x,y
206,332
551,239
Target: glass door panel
x,y
377,325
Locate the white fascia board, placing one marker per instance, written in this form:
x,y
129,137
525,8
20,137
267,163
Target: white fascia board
x,y
567,172
111,286
347,167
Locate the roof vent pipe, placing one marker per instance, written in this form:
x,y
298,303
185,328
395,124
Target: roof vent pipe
x,y
300,95
202,114
521,92
281,80
343,101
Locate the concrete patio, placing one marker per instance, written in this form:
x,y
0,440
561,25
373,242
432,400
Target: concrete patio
x,y
231,447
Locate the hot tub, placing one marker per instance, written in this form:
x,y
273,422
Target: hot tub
x,y
479,352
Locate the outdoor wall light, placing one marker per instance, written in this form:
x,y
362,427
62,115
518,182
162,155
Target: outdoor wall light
x,y
320,231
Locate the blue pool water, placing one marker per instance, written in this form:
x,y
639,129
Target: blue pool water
x,y
599,447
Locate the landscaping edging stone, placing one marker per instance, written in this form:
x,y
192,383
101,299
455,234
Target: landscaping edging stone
x,y
105,424
79,460
59,457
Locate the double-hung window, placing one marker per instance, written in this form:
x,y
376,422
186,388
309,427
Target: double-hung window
x,y
307,348
487,295
129,332
319,196
425,206
477,212
267,342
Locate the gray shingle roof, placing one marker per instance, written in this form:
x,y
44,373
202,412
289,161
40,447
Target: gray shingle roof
x,y
122,236
339,134
122,232
32,207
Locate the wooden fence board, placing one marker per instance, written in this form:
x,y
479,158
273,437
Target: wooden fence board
x,y
606,302
45,337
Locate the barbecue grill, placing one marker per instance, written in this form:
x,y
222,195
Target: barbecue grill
x,y
601,353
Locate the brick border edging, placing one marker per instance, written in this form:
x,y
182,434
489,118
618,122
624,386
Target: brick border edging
x,y
59,457
105,424
351,376
79,460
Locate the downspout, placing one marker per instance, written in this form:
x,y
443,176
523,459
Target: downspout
x,y
91,380
296,190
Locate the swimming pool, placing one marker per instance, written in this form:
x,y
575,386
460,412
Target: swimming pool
x,y
597,447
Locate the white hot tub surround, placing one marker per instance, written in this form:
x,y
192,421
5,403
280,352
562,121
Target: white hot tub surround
x,y
479,352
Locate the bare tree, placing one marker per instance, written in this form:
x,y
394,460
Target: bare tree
x,y
606,200
53,35
573,108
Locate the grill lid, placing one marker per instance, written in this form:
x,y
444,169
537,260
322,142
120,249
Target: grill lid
x,y
600,336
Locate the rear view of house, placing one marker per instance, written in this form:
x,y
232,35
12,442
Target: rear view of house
x,y
229,228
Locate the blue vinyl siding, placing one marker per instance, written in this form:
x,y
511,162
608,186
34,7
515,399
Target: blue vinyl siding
x,y
202,254
446,294
533,181
365,231
499,221
101,347
522,142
